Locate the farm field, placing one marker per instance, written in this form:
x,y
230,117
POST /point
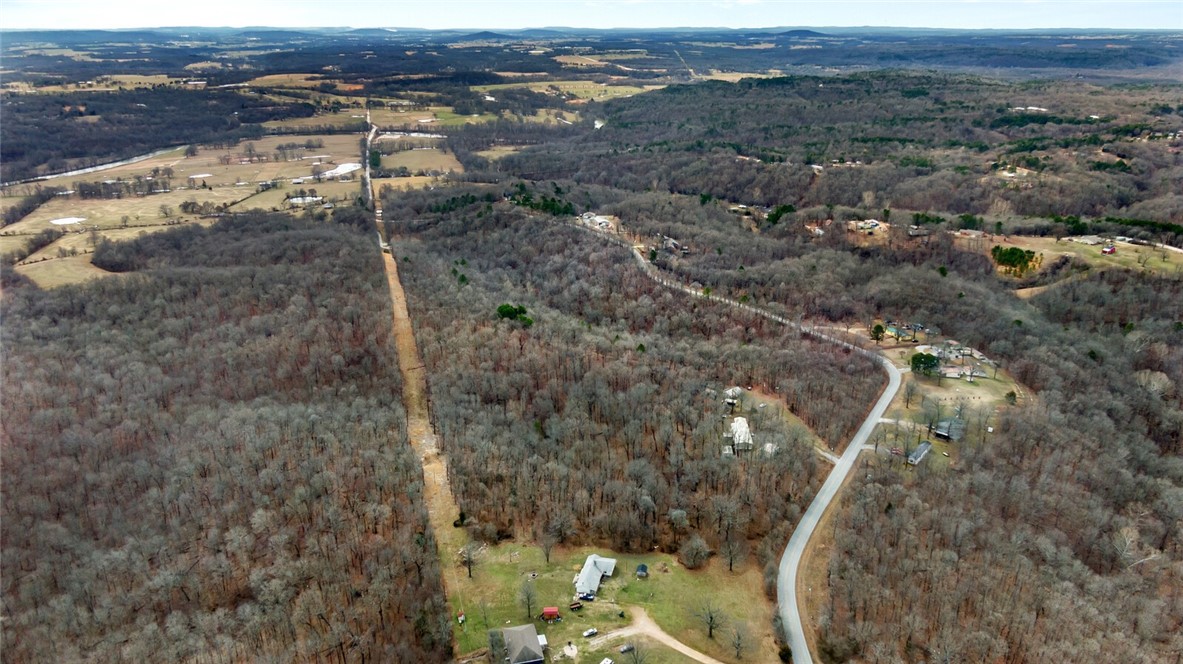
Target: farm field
x,y
423,160
426,118
412,182
339,148
574,88
299,81
62,271
669,597
109,212
499,151
331,192
348,118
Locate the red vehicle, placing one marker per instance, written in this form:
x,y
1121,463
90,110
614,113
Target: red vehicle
x,y
1109,249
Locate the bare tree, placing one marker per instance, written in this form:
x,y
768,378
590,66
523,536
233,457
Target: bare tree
x,y
711,616
528,597
547,543
910,391
734,549
470,556
740,639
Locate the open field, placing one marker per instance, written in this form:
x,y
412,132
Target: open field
x,y
426,118
550,116
1132,256
338,148
300,81
102,84
499,151
423,160
62,272
10,202
109,212
331,192
344,118
573,88
668,596
413,182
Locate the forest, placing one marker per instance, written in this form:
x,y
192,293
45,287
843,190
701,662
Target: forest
x,y
923,142
598,417
205,459
1058,540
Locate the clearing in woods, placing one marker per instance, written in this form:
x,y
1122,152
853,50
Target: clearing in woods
x,y
441,506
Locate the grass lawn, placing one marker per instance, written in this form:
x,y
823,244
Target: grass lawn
x,y
654,652
63,271
667,596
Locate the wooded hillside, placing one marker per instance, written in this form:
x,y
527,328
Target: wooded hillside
x,y
206,459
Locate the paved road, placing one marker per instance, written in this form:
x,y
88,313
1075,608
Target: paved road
x,y
786,584
791,560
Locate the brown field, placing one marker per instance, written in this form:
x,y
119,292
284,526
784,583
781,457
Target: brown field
x,y
499,151
63,271
423,160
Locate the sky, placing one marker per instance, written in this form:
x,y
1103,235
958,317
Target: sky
x,y
506,14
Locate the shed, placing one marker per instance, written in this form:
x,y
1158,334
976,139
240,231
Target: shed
x,y
550,613
522,645
642,571
595,568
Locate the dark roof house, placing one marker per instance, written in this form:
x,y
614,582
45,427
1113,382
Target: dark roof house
x,y
522,645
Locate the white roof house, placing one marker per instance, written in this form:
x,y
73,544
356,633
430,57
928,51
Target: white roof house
x,y
740,433
594,569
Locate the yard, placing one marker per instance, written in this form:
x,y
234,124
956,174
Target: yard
x,y
490,599
1132,256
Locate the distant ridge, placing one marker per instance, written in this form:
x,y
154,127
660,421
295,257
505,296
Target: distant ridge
x,y
801,33
484,35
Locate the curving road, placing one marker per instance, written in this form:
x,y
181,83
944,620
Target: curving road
x,y
786,580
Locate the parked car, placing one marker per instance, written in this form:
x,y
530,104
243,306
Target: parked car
x,y
628,647
591,632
